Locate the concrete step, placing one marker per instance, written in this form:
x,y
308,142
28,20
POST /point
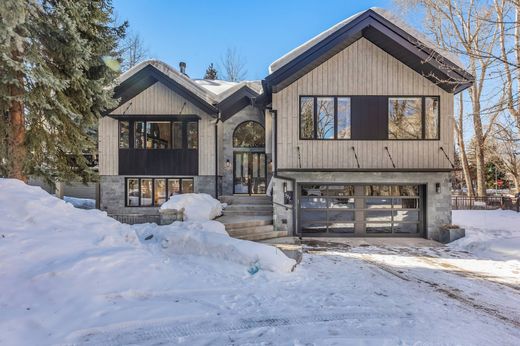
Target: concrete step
x,y
248,212
263,236
245,199
240,232
253,207
247,224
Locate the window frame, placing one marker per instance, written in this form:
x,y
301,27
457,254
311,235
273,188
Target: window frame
x,y
351,97
153,205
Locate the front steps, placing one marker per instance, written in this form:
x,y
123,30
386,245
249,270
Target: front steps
x,y
249,217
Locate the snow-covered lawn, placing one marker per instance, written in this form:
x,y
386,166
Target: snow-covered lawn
x,y
76,276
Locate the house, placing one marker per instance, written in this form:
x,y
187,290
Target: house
x,y
354,127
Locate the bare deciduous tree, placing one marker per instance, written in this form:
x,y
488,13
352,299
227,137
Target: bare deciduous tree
x,y
233,65
133,51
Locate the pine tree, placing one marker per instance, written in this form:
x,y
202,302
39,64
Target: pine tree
x,y
67,57
211,72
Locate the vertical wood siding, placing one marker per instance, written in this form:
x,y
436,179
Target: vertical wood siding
x,y
159,100
108,141
360,69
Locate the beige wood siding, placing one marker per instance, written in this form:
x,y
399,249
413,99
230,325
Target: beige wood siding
x,y
158,99
108,146
360,69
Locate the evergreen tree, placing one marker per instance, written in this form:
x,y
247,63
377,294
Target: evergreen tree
x,y
211,72
58,77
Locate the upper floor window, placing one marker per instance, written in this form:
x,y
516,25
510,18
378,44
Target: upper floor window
x,y
142,134
325,117
413,118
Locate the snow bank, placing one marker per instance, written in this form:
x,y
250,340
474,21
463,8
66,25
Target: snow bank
x,y
197,206
494,234
82,203
210,239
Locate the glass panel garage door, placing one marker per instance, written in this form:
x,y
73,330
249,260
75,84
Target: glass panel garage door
x,y
360,209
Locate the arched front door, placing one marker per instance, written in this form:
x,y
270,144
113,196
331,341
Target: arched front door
x,y
249,168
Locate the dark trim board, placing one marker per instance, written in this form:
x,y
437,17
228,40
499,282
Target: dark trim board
x,y
148,76
235,102
162,117
158,162
351,170
384,34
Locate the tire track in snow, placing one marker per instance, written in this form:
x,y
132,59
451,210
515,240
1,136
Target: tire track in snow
x,y
147,333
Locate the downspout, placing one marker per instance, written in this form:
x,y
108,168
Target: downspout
x,y
216,155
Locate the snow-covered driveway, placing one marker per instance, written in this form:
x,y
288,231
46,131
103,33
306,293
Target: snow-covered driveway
x,y
340,295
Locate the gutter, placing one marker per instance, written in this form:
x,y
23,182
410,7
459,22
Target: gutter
x,y
216,155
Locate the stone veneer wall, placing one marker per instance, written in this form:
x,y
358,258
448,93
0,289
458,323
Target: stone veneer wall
x,y
438,205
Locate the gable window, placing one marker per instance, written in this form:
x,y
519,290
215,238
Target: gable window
x,y
249,134
148,192
193,135
141,134
158,134
124,131
177,135
413,118
325,117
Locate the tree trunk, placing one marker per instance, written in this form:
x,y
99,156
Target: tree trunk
x,y
480,143
16,135
459,128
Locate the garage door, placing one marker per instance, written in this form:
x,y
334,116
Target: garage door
x,y
345,209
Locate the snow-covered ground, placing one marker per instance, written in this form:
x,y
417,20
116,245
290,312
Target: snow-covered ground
x,y
76,276
82,203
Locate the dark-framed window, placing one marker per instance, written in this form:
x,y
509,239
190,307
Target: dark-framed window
x,y
153,192
325,117
414,117
249,134
158,134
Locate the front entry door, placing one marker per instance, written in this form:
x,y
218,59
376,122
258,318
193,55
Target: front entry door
x,y
249,173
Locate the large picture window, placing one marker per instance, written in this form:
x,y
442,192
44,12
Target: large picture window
x,y
325,117
148,192
142,134
413,118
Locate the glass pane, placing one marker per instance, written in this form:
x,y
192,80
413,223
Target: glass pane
x,y
139,135
341,203
340,190
378,215
177,135
307,117
314,227
404,118
146,192
314,190
340,215
344,120
123,134
174,187
159,192
381,190
325,128
249,134
314,221
313,202
132,190
158,135
408,190
406,215
376,227
431,117
406,203
255,158
378,203
193,135
187,185
341,227
406,228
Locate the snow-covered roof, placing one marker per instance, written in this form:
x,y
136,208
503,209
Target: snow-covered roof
x,y
277,64
223,89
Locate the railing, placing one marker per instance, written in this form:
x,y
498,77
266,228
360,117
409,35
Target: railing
x,y
485,203
132,219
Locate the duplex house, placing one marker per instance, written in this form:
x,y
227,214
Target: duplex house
x,y
351,134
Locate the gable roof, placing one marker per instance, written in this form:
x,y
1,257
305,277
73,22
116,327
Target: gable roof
x,y
385,31
211,96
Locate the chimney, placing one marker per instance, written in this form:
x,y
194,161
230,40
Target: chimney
x,y
182,67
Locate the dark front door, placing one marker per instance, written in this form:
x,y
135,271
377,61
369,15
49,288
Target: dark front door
x,y
249,173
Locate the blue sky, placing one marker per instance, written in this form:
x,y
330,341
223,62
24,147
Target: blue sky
x,y
200,31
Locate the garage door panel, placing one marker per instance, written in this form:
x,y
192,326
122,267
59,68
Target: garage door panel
x,y
378,227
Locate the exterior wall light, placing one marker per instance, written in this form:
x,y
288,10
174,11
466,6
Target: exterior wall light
x,y
438,187
228,164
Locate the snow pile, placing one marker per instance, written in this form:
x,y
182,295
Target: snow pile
x,y
197,206
494,234
82,203
210,239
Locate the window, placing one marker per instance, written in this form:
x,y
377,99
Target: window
x,y
158,135
413,118
325,117
139,135
249,134
404,118
431,117
124,132
177,135
147,192
193,135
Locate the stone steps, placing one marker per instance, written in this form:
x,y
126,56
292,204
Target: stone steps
x,y
263,236
245,199
246,231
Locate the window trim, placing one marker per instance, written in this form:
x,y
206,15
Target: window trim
x,y
336,96
181,178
